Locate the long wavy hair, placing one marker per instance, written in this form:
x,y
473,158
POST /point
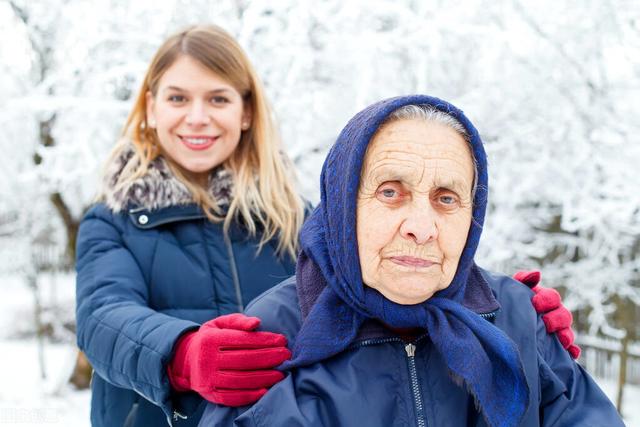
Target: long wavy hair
x,y
264,194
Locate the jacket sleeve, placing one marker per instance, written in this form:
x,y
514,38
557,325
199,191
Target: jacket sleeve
x,y
128,343
569,396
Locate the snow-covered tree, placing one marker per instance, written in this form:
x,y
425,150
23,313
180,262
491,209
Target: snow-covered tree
x,y
551,85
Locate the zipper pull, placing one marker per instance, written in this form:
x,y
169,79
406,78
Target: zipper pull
x,y
410,349
177,415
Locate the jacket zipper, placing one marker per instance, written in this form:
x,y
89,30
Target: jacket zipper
x,y
413,372
415,386
411,363
489,316
234,273
177,415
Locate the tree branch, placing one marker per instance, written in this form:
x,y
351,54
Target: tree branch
x,y
71,223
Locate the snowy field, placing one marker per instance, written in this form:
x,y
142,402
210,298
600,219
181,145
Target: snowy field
x,y
28,400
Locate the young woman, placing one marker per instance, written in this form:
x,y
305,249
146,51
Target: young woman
x,y
198,216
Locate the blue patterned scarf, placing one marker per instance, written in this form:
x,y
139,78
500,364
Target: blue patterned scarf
x,y
477,353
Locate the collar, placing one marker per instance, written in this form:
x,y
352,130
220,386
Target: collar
x,y
145,219
158,188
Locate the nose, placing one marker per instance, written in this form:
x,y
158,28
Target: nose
x,y
197,114
420,225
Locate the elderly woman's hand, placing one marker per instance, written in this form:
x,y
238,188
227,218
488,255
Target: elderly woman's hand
x,y
548,302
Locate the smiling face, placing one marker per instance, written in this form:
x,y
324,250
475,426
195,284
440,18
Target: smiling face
x,y
198,117
414,209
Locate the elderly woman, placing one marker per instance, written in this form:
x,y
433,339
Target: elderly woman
x,y
390,320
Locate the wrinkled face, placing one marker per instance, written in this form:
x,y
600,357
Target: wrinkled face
x,y
414,209
198,117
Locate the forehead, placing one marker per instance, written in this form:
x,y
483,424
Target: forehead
x,y
415,146
186,73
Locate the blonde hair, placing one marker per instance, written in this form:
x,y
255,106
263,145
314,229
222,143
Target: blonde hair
x,y
263,192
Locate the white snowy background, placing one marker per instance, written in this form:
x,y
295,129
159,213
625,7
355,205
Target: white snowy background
x,y
552,85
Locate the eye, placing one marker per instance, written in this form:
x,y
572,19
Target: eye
x,y
219,100
176,98
446,200
391,192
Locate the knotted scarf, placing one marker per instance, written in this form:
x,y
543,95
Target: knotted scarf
x,y
477,353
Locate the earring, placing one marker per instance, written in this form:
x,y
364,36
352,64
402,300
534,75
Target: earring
x,y
152,123
245,125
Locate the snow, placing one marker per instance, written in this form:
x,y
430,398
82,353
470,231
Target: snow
x,y
630,408
28,400
551,87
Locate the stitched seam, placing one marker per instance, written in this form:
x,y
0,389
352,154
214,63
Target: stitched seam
x,y
109,367
125,335
112,369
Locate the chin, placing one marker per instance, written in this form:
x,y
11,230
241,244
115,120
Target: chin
x,y
409,295
199,166
406,288
408,301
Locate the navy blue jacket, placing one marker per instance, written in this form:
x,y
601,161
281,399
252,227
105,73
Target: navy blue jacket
x,y
144,278
384,381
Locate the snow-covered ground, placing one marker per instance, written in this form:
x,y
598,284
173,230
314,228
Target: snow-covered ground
x,y
26,399
630,408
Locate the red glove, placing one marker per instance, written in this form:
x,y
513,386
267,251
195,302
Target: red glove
x,y
228,363
556,318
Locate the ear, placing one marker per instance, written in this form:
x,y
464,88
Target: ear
x,y
151,116
247,114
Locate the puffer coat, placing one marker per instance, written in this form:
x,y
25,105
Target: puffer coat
x,y
387,381
150,267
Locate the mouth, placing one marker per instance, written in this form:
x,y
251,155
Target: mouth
x,y
199,142
409,261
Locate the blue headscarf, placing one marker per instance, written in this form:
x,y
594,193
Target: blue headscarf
x,y
477,353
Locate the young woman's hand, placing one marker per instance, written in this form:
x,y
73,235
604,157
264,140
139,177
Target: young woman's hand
x,y
227,362
548,302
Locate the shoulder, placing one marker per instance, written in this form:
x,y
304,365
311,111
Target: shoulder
x,y
516,315
100,215
99,210
508,290
101,228
278,309
102,218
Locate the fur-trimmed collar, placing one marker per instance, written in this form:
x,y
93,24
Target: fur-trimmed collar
x,y
159,187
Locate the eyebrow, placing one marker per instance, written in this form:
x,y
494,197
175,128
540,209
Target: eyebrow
x,y
179,89
452,185
385,173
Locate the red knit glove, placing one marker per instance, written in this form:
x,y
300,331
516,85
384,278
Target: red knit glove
x,y
557,319
227,362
